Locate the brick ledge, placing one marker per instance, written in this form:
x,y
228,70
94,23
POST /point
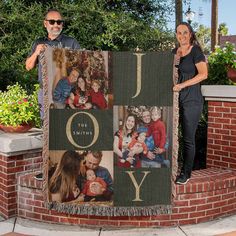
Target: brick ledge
x,y
219,92
18,143
210,194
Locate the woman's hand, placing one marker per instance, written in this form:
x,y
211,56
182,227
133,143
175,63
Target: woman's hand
x,y
202,75
87,106
76,191
137,150
130,159
178,87
80,198
116,147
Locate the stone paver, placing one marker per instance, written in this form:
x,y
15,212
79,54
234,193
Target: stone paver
x,y
38,228
14,234
6,226
222,227
175,231
228,234
212,228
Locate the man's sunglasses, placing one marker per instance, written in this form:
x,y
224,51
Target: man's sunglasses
x,y
52,22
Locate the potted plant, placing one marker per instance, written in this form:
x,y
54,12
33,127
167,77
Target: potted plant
x,y
19,111
222,63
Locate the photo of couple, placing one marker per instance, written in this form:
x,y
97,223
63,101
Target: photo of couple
x,y
141,136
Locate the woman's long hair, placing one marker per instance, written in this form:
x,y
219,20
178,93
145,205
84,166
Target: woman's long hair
x,y
85,84
193,39
124,128
64,178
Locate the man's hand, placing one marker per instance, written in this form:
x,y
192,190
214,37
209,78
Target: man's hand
x,y
40,48
31,61
159,150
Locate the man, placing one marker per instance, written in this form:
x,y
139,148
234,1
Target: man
x,y
63,89
151,159
92,162
53,23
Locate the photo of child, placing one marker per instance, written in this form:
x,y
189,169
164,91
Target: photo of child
x,y
157,130
97,97
87,191
137,143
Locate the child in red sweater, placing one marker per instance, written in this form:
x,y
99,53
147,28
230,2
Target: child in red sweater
x,y
97,97
137,143
157,130
92,180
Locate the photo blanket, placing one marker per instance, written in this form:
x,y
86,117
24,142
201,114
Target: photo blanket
x,y
110,132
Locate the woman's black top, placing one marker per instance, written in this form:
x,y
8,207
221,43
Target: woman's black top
x,y
187,70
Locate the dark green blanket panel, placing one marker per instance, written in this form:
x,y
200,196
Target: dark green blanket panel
x,y
153,190
153,72
81,125
156,79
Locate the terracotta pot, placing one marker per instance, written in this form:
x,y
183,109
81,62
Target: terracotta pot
x,y
16,129
231,74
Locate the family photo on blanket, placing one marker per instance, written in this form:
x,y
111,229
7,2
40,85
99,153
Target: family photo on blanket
x,y
81,79
142,139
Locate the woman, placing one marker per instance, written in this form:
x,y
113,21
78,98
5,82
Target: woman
x,y
192,69
123,138
80,97
62,184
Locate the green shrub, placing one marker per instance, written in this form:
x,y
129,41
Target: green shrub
x,y
218,62
17,107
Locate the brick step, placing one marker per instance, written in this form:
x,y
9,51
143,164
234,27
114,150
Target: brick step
x,y
202,180
210,194
210,179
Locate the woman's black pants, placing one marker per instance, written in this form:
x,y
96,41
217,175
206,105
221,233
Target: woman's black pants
x,y
190,113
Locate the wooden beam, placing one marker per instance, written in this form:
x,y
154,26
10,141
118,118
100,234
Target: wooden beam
x,y
214,24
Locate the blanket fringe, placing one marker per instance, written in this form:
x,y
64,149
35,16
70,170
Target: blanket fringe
x,y
76,209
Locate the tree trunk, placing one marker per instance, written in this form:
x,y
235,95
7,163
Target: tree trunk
x,y
214,24
178,12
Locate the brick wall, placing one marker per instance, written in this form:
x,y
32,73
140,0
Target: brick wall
x,y
10,168
211,193
221,140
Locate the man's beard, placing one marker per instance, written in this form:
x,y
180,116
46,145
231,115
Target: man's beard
x,y
54,32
